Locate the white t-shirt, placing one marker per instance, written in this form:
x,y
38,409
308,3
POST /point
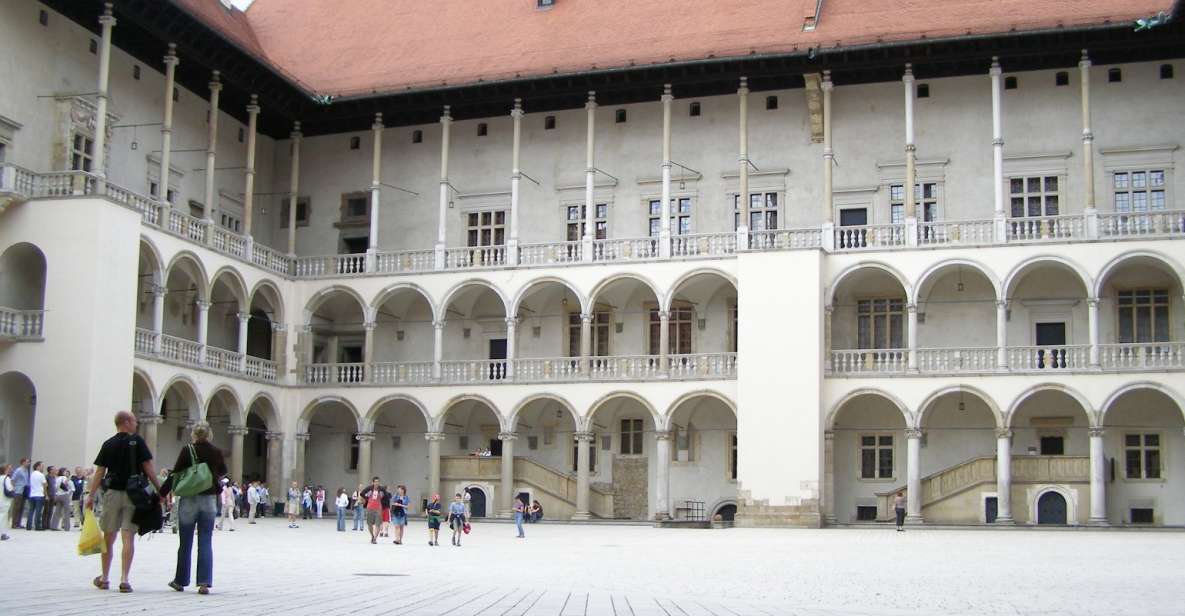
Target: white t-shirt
x,y
36,484
252,496
343,501
65,487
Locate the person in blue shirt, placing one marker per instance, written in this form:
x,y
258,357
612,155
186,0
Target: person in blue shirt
x,y
399,503
432,512
519,510
456,518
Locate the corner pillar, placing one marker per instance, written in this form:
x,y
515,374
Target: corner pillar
x,y
236,451
506,488
583,439
434,439
1004,477
913,505
1098,478
662,454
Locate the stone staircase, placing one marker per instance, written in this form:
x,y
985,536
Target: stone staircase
x,y
554,489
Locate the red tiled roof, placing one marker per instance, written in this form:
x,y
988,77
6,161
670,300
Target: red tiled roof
x,y
345,47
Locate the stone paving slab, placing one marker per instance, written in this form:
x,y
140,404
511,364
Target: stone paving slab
x,y
564,570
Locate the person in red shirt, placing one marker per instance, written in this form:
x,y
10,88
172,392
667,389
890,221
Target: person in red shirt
x,y
375,496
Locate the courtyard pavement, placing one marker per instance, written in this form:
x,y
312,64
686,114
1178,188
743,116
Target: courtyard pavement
x,y
621,570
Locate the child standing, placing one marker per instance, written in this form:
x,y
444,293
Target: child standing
x,y
433,513
399,504
456,518
519,509
292,505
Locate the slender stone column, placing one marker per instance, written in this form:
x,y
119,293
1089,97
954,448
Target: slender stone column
x,y
368,341
662,454
1004,477
664,339
997,77
511,346
516,117
1087,134
585,342
364,462
280,351
913,505
211,203
911,335
506,492
149,424
583,439
911,214
434,439
1098,478
664,233
166,130
828,154
743,159
236,451
275,465
99,158
1001,334
298,466
293,187
249,192
437,347
203,327
158,316
446,122
244,319
1092,319
376,193
829,477
590,176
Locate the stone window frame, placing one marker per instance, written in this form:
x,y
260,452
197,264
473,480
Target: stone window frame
x,y
1143,448
8,131
876,448
1042,165
648,204
593,467
621,437
600,222
731,462
304,200
892,174
763,182
648,309
569,325
888,313
694,444
763,208
77,115
1128,159
1152,304
176,176
347,219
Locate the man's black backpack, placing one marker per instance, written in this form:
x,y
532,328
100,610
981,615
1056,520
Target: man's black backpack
x,y
137,486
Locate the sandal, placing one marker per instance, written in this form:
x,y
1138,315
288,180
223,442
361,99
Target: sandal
x,y
100,583
125,587
203,589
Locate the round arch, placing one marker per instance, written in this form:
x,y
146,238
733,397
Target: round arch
x,y
1137,386
607,282
272,293
195,393
1024,267
906,416
438,422
526,289
238,413
238,288
373,413
471,282
906,288
1069,391
927,405
699,393
1121,260
669,297
270,417
655,417
388,291
1071,503
322,295
934,272
302,423
512,420
23,272
149,386
148,248
199,274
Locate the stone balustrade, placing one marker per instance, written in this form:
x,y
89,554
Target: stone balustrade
x,y
190,353
1123,357
21,325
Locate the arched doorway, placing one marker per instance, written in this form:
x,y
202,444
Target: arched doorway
x,y
399,452
726,512
331,454
625,423
869,455
18,401
477,502
1051,508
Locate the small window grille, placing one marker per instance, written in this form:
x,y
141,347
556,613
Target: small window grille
x,y
176,94
1062,78
693,110
923,90
549,122
771,103
242,134
136,72
619,116
43,18
1010,83
1114,75
94,45
355,143
482,129
1166,71
417,136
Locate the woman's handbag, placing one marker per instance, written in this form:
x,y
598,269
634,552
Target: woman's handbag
x,y
195,479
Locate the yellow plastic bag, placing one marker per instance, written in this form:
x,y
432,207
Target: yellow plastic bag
x,y
91,539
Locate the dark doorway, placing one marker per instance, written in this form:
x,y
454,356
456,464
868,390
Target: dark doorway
x,y
1051,335
853,217
990,510
477,503
496,447
1051,509
524,498
497,352
356,245
1053,446
727,513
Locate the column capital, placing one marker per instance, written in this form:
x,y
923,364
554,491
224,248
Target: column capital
x,y
998,141
911,147
307,328
158,290
664,315
517,111
908,75
434,436
511,321
273,436
302,436
664,435
171,56
995,70
1097,432
829,435
445,116
243,316
201,304
364,437
296,134
253,107
744,87
1004,433
1002,304
828,308
150,419
584,437
234,430
507,436
215,84
106,18
586,317
913,433
827,83
911,307
1084,61
1092,302
278,327
378,122
438,324
369,326
592,100
666,93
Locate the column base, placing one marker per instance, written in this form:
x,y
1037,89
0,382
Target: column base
x,y
1004,521
581,516
662,516
1098,522
829,520
438,256
914,520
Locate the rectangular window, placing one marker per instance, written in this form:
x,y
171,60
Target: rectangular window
x,y
684,437
1034,196
763,211
592,456
600,334
876,456
302,212
575,221
230,222
82,149
732,455
1139,191
680,216
925,198
353,452
733,324
1143,315
880,323
355,208
631,437
486,228
1142,456
678,330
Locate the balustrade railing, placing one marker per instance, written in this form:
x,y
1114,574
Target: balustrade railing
x,y
474,256
703,365
319,374
187,226
223,360
270,259
404,261
21,324
145,341
627,249
956,232
148,207
625,367
261,369
1048,357
853,361
869,236
64,184
1051,228
544,369
473,371
961,359
703,245
180,350
549,253
1142,355
783,239
1141,224
400,373
329,265
17,180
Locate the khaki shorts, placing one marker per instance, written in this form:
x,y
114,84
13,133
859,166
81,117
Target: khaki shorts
x,y
373,517
117,512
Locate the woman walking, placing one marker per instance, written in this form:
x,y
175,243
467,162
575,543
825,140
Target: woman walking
x,y
63,491
228,505
433,514
899,509
196,512
320,500
457,518
341,504
356,505
292,505
399,504
519,510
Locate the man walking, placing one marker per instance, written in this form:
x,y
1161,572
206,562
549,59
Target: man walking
x,y
76,497
120,457
20,490
33,521
374,496
252,502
